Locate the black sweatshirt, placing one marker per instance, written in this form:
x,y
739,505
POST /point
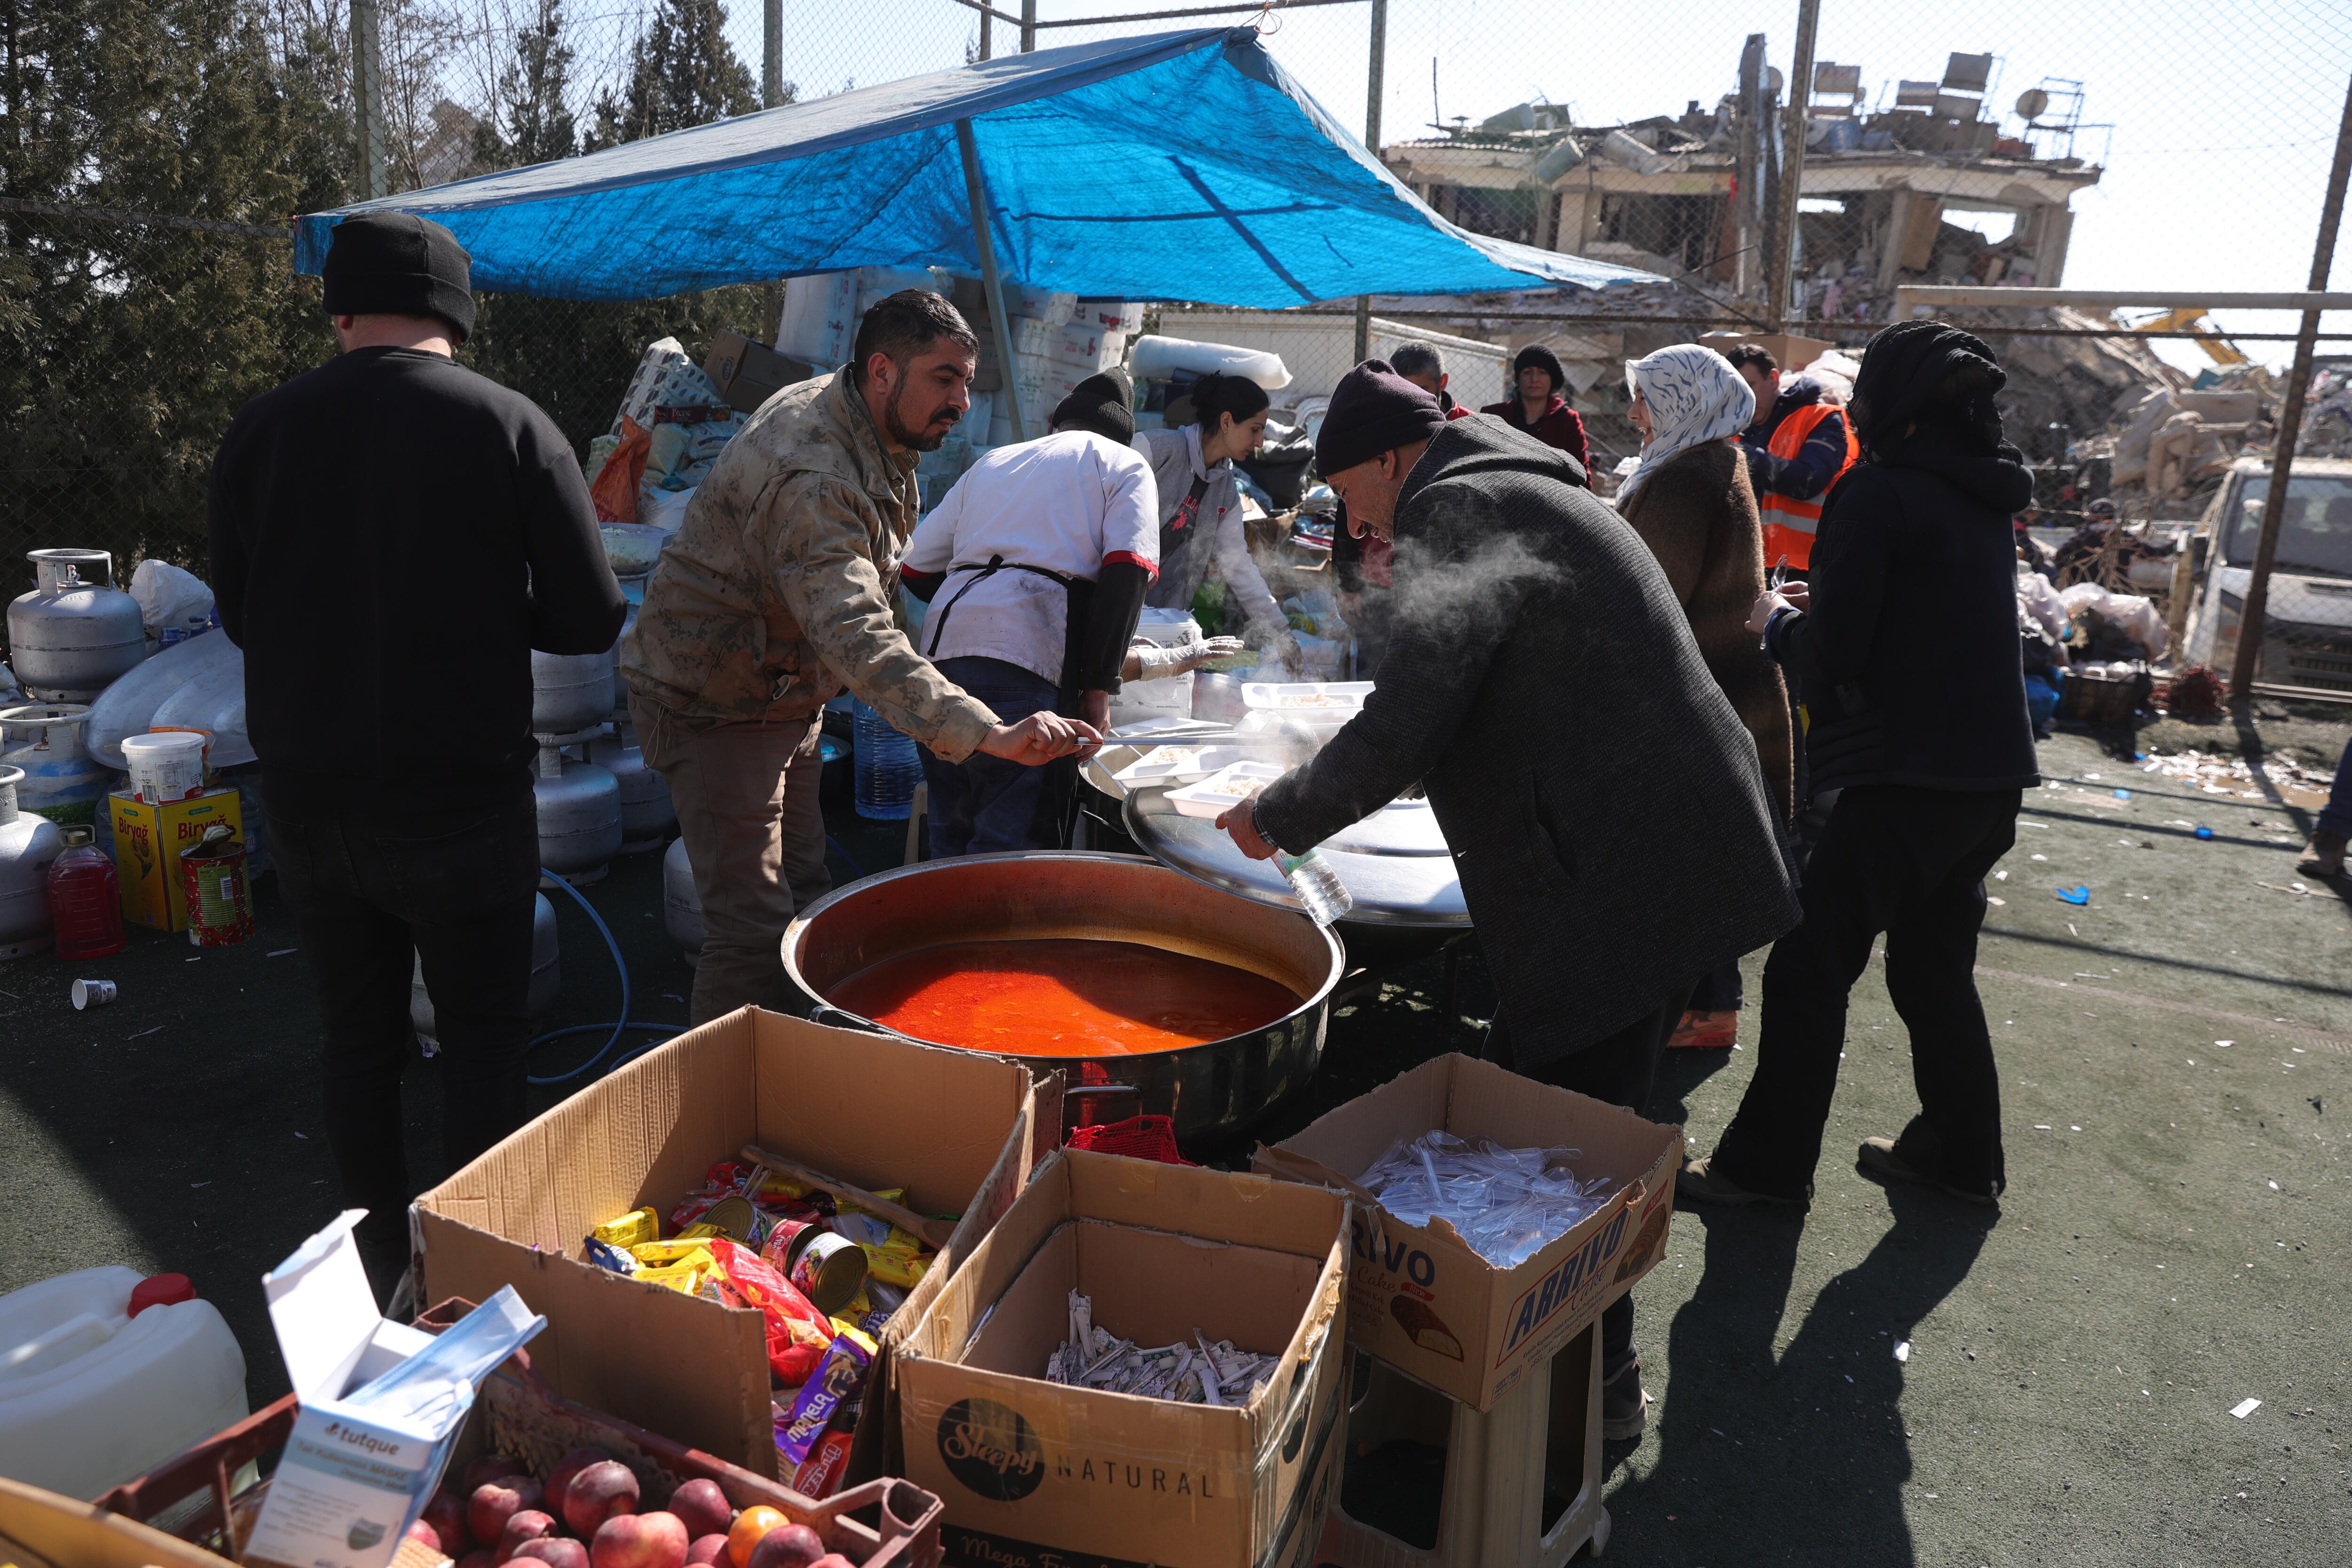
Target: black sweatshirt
x,y
392,535
1912,667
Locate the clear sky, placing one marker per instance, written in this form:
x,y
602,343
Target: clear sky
x,y
2224,114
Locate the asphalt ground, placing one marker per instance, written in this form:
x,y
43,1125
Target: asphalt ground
x,y
2173,1241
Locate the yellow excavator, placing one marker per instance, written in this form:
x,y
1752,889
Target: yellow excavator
x,y
2219,349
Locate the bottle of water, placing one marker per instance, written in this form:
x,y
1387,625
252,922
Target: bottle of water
x,y
888,767
1318,886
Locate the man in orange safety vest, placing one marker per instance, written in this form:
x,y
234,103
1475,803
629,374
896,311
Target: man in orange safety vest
x,y
1799,445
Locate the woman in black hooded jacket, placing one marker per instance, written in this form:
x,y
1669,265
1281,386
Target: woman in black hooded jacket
x,y
1906,644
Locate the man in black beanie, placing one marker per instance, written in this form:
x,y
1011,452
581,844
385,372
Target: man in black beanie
x,y
1529,620
391,536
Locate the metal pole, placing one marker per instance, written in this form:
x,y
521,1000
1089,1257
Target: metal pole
x,y
2298,383
1375,79
367,102
976,193
772,53
1748,219
987,33
1792,164
1028,26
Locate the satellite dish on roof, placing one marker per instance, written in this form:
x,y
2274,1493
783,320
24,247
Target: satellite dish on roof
x,y
2031,102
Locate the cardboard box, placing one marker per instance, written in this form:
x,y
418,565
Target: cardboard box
x,y
1037,1473
1789,352
953,1127
747,374
149,840
1418,1297
351,1479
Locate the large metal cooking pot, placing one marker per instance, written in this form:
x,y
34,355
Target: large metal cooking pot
x,y
1223,1085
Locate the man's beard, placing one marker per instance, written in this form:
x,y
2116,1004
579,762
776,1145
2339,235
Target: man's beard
x,y
913,440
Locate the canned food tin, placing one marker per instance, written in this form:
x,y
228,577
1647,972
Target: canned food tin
x,y
219,900
829,1271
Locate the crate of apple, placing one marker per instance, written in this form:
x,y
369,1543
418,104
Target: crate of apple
x,y
587,1514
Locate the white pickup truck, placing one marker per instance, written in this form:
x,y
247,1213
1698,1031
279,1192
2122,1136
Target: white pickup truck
x,y
2307,626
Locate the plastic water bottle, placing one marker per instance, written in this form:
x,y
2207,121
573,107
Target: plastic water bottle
x,y
889,768
1318,886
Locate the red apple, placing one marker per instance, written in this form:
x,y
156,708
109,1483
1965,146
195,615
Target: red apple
x,y
833,1560
559,1479
489,1467
527,1525
425,1533
555,1551
702,1508
606,1490
495,1502
482,1557
705,1550
639,1540
444,1511
787,1546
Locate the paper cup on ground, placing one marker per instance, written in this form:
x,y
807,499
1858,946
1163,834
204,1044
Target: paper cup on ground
x,y
166,765
88,993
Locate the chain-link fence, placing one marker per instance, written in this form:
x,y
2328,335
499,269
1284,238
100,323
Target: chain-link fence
x,y
152,156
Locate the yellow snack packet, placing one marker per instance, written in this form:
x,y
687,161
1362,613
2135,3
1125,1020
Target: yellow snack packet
x,y
699,1230
636,1225
668,1254
897,1265
688,1278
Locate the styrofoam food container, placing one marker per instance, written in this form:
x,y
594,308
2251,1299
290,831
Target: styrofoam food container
x,y
1307,696
1151,732
1225,789
1177,764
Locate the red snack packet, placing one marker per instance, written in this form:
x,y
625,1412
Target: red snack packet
x,y
798,1335
820,1474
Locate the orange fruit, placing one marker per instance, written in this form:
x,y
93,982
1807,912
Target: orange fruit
x,y
750,1525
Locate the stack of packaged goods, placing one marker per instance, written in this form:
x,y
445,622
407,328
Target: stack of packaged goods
x,y
826,1275
1058,341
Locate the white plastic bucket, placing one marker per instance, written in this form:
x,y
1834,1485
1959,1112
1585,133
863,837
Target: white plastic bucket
x,y
165,765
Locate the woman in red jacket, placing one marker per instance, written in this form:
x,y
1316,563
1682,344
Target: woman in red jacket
x,y
1541,410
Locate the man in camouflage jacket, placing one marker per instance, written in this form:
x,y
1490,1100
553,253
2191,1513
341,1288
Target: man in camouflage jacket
x,y
775,597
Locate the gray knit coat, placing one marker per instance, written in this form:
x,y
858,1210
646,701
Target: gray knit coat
x,y
1607,815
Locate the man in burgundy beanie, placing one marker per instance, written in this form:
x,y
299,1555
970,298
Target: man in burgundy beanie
x,y
1530,618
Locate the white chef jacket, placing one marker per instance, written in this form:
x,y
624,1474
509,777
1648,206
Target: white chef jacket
x,y
1072,503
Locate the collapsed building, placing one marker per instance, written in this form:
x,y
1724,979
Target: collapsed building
x,y
1694,198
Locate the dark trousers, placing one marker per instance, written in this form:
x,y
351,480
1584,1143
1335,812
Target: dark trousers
x,y
370,894
1618,1068
1910,863
1719,990
984,805
2336,816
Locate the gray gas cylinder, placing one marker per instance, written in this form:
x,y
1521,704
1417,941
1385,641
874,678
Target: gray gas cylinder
x,y
62,780
27,845
646,814
570,691
76,632
579,809
681,905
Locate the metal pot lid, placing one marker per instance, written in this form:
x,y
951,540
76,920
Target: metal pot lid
x,y
1395,862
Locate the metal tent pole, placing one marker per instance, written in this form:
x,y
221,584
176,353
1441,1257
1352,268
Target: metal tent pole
x,y
367,102
772,53
1028,26
990,283
2298,384
1793,117
1379,70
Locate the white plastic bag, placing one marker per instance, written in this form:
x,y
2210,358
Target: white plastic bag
x,y
128,707
171,600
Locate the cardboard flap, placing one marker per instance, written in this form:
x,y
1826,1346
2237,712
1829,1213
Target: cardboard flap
x,y
323,1312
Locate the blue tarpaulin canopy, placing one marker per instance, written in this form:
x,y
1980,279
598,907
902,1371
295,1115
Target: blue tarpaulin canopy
x,y
1175,166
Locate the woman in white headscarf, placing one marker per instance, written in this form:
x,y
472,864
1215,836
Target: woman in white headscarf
x,y
1691,502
